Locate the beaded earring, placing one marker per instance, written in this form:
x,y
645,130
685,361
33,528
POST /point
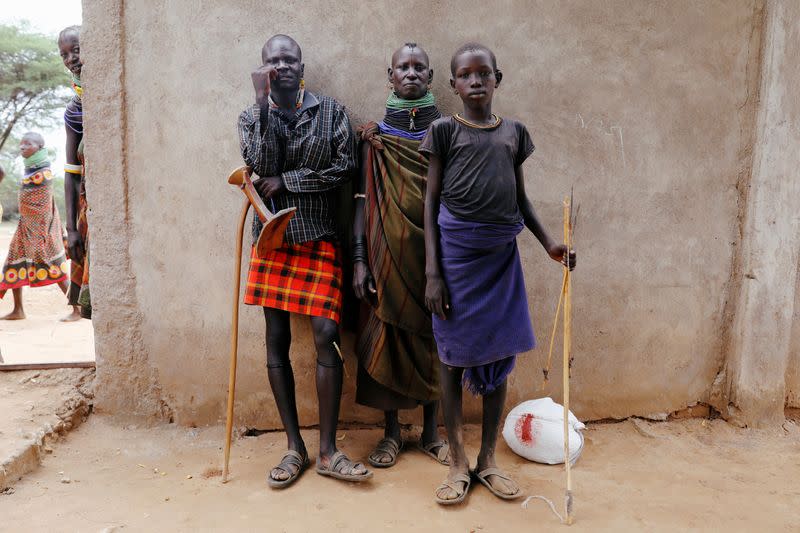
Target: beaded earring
x,y
300,94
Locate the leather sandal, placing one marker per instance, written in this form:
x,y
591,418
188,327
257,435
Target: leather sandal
x,y
337,461
483,474
442,456
454,486
386,446
291,458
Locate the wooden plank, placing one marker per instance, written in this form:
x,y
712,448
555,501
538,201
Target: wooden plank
x,y
46,366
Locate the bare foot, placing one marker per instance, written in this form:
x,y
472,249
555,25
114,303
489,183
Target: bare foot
x,y
74,316
16,314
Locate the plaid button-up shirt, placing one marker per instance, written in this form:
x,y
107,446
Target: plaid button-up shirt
x,y
314,152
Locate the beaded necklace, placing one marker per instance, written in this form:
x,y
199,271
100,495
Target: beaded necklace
x,y
497,121
395,102
37,159
76,86
413,107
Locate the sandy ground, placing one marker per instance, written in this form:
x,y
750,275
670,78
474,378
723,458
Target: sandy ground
x,y
37,408
691,474
41,337
32,401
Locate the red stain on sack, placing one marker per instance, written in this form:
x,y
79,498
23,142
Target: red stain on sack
x,y
524,429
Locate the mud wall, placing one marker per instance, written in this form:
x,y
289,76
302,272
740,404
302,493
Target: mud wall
x,y
758,360
793,366
649,110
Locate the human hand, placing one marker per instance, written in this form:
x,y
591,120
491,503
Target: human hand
x,y
269,186
437,299
75,246
364,283
261,78
558,253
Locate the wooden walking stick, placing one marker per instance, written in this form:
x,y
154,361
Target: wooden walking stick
x,y
271,237
237,278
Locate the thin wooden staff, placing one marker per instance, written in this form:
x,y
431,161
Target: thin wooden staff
x,y
567,347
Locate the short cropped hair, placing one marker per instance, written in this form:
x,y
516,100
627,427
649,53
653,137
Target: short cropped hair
x,y
35,137
412,46
471,47
68,29
282,37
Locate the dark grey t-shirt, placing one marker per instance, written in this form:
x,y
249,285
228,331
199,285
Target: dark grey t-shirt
x,y
479,182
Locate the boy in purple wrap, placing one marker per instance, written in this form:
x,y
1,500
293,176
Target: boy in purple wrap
x,y
475,206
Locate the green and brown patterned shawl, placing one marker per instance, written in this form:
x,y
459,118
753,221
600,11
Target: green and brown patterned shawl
x,y
397,350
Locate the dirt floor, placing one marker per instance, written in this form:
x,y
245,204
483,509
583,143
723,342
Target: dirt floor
x,y
41,337
36,409
693,474
32,400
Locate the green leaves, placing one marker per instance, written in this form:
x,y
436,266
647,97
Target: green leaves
x,y
33,81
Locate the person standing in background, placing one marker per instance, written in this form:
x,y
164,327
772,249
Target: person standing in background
x,y
74,178
36,255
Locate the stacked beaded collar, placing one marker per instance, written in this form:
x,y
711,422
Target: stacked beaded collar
x,y
409,118
73,115
37,159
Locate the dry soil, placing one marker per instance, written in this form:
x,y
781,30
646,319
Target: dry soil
x,y
693,474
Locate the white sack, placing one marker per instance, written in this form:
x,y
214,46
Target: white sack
x,y
535,430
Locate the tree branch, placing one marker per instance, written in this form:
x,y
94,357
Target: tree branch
x,y
10,126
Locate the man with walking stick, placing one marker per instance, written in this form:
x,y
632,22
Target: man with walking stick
x,y
302,148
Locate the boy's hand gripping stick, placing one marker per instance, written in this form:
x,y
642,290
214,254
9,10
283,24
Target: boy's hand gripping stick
x,y
272,234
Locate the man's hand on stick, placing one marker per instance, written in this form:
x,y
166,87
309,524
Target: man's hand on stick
x,y
269,186
558,252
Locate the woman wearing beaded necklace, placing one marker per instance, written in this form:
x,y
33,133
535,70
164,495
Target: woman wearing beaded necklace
x,y
398,366
36,254
475,205
74,185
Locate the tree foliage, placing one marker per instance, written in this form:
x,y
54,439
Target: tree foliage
x,y
33,81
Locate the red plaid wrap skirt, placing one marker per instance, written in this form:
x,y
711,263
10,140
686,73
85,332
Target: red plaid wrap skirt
x,y
301,278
